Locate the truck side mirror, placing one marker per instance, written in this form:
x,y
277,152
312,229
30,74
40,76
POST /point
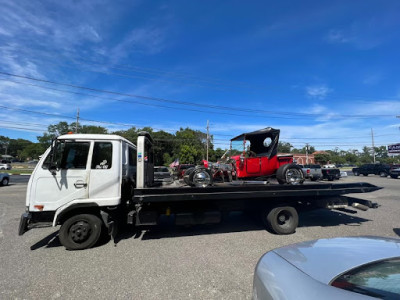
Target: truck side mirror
x,y
53,165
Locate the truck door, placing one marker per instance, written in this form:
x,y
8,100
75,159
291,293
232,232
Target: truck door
x,y
105,173
52,189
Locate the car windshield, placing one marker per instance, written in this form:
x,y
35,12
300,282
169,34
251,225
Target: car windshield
x,y
161,169
379,279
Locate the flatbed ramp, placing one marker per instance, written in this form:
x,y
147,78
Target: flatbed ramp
x,y
253,191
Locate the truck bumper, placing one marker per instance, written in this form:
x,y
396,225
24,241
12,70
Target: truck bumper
x,y
23,223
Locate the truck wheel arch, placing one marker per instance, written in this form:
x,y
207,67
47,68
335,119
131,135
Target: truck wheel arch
x,y
75,209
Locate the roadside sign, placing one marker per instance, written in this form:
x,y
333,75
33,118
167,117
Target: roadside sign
x,y
395,148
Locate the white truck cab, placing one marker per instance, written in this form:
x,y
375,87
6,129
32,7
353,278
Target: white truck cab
x,y
86,174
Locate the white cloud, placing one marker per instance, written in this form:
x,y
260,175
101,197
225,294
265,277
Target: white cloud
x,y
337,36
372,79
318,91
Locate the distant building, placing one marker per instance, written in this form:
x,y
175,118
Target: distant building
x,y
301,159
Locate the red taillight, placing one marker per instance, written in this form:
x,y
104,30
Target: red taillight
x,y
308,171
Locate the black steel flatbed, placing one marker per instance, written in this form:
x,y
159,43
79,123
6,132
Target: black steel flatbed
x,y
243,192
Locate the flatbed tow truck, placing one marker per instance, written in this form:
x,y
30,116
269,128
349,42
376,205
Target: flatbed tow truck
x,y
92,184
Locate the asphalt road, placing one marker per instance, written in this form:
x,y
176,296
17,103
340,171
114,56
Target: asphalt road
x,y
206,262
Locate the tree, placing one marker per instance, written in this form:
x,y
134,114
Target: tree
x,y
188,154
52,132
4,142
284,147
16,146
322,158
32,151
61,128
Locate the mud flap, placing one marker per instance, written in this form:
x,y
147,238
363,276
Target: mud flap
x,y
23,223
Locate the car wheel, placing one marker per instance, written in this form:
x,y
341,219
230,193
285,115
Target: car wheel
x,y
281,220
80,232
356,173
186,175
383,174
290,174
394,176
365,174
200,177
5,181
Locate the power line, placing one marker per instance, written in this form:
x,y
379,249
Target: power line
x,y
190,103
143,103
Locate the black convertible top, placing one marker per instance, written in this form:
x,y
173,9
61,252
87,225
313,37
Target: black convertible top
x,y
257,139
258,134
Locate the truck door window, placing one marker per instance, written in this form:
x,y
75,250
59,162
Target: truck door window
x,y
132,157
102,155
74,155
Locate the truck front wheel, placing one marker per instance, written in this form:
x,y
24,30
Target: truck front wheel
x,y
80,232
281,220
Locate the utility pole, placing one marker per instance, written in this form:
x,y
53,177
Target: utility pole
x,y
208,137
77,121
373,144
306,153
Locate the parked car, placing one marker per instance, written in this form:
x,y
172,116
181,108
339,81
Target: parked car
x,y
5,166
394,171
337,268
4,178
330,172
376,169
162,174
312,172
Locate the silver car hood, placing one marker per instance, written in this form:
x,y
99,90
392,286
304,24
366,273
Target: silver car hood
x,y
325,259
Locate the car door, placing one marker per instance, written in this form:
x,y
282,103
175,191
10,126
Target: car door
x,y
51,189
253,166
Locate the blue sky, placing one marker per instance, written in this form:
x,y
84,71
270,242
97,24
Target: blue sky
x,y
325,73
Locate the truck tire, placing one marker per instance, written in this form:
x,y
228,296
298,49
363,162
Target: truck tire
x,y
5,181
80,232
383,174
356,173
290,174
281,220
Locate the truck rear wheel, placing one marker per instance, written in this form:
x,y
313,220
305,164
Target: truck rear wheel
x,y
290,174
281,220
80,232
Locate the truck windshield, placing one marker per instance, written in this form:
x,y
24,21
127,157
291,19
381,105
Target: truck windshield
x,y
68,155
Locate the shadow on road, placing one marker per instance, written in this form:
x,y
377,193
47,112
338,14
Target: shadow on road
x,y
49,241
325,218
52,241
234,222
397,231
238,222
